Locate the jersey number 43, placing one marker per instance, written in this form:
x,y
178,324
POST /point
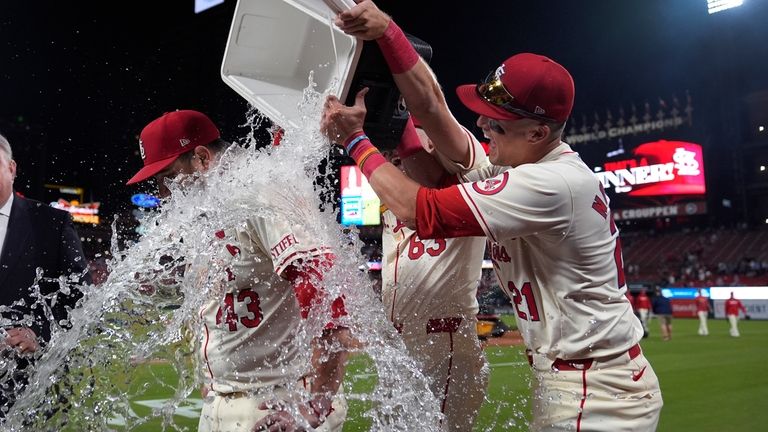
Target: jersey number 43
x,y
227,312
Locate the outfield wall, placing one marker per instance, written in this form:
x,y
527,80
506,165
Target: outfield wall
x,y
754,298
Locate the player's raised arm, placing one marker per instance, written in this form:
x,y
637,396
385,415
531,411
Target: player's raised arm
x,y
442,212
416,81
343,124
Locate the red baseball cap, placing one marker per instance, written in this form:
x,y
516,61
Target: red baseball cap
x,y
173,134
524,86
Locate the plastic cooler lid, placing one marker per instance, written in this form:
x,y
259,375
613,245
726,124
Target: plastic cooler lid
x,y
274,44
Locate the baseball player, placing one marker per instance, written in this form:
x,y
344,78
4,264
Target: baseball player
x,y
246,349
553,243
429,286
643,305
732,308
702,310
429,289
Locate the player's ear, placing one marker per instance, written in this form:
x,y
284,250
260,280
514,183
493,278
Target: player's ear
x,y
538,132
202,158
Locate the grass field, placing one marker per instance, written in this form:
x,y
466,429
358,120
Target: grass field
x,y
711,383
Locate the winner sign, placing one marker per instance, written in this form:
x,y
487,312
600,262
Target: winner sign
x,y
657,168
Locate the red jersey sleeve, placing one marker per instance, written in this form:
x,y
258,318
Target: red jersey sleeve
x,y
304,279
444,213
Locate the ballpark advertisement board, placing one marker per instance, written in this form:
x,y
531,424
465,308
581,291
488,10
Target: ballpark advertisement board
x,y
656,169
754,298
359,204
683,300
656,179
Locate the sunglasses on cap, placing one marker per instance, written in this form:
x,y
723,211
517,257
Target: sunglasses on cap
x,y
492,90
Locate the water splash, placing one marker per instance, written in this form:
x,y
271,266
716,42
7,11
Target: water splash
x,y
147,310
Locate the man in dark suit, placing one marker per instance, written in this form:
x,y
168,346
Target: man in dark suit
x,y
32,235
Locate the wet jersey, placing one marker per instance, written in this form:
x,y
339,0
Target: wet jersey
x,y
247,336
556,253
431,278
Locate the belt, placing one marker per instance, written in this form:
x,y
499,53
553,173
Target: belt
x,y
438,325
444,325
233,395
584,364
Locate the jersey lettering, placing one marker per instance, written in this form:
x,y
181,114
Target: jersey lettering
x,y
399,225
524,294
282,245
416,248
600,207
230,275
499,253
233,250
252,303
617,256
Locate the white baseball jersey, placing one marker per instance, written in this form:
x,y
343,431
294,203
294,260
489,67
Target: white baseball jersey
x,y
429,290
247,336
557,254
429,278
432,278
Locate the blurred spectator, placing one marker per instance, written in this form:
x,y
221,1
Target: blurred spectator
x,y
701,263
662,309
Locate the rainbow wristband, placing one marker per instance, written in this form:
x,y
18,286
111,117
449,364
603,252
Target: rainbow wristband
x,y
367,157
354,141
397,49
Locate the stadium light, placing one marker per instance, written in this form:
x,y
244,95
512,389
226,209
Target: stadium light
x,y
714,6
762,167
201,5
760,128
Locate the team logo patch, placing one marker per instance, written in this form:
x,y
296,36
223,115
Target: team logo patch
x,y
491,186
500,71
141,150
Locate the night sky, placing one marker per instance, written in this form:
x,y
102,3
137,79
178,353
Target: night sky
x,y
77,82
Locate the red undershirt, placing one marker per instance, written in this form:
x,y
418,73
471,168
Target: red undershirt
x,y
443,213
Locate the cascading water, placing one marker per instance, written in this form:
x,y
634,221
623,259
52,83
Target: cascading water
x,y
86,376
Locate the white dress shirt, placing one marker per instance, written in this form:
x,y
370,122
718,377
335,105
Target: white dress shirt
x,y
5,216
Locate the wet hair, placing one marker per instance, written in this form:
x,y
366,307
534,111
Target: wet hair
x,y
5,147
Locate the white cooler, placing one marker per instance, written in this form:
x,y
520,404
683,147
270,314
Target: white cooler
x,y
274,44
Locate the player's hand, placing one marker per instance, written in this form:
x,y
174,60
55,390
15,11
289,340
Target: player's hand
x,y
314,412
22,339
364,21
280,420
340,121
